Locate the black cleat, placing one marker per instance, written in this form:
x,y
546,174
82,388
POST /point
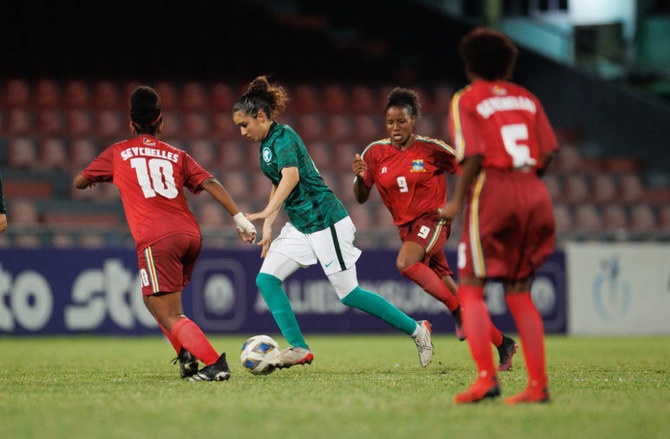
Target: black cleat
x,y
188,364
506,351
218,371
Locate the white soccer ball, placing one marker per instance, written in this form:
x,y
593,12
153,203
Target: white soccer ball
x,y
257,352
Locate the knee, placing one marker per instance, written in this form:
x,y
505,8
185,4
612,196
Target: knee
x,y
264,280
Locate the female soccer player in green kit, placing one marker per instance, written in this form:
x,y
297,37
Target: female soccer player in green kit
x,y
319,228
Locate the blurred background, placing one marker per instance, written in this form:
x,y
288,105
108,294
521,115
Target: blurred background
x,y
601,68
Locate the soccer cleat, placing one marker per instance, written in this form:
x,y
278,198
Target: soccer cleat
x,y
506,351
292,356
458,324
532,394
188,364
424,343
218,371
481,389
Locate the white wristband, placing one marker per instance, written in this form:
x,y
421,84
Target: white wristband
x,y
242,223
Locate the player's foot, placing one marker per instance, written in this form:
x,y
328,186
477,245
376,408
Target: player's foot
x,y
424,342
532,394
458,324
482,388
188,364
506,351
218,371
292,356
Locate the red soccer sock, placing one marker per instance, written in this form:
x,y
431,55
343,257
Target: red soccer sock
x,y
496,335
531,332
477,326
427,279
173,341
191,337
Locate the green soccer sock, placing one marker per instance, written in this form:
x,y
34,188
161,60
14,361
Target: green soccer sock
x,y
381,308
280,307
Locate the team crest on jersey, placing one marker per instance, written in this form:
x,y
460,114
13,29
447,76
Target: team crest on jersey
x,y
267,155
498,90
417,166
149,142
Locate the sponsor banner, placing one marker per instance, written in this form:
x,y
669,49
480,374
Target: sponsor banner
x,y
618,288
62,291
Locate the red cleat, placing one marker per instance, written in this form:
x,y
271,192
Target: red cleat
x,y
482,388
532,394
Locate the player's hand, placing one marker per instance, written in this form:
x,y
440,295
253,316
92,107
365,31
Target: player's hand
x,y
256,216
449,210
359,166
245,229
265,243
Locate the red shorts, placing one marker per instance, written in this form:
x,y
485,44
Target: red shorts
x,y
166,265
431,233
509,229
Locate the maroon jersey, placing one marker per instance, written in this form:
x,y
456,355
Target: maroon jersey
x,y
503,122
410,182
509,228
151,176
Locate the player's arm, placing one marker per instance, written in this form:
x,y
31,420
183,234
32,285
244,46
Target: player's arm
x,y
81,182
244,227
469,170
361,190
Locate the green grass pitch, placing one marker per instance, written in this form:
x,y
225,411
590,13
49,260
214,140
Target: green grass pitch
x,y
359,386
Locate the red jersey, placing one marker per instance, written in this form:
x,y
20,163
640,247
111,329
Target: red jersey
x,y
503,122
151,176
410,182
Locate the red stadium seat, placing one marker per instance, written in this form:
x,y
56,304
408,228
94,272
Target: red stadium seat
x,y
16,93
48,94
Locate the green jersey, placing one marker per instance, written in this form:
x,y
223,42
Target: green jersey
x,y
311,206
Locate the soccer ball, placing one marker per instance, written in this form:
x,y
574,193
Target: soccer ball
x,y
257,352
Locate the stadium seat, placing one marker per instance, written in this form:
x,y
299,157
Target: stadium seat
x,y
211,214
615,217
604,188
222,98
169,96
111,126
322,155
223,127
22,211
364,100
233,155
196,125
50,122
82,152
304,100
18,122
335,99
106,96
339,128
368,128
53,154
642,218
80,219
47,93
310,127
553,184
79,123
193,97
22,153
664,217
576,188
427,126
563,218
631,187
17,93
587,218
76,94
442,95
203,152
237,183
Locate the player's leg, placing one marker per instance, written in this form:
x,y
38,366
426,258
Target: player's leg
x,y
531,332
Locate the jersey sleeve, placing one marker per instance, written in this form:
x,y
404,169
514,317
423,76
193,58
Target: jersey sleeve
x,y
101,169
194,174
369,157
286,149
463,127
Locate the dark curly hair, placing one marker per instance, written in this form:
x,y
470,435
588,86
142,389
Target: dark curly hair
x,y
488,54
145,110
406,98
261,95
